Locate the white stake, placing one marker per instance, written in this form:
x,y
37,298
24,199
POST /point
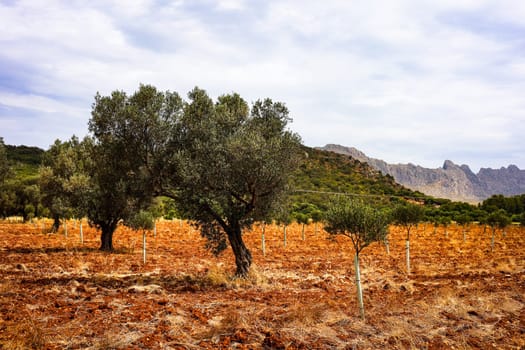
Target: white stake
x,y
359,289
144,247
263,241
407,248
81,235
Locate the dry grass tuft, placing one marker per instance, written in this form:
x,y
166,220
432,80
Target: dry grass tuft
x,y
116,341
306,315
217,276
27,335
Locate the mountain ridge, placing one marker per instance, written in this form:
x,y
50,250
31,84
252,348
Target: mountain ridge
x,y
451,181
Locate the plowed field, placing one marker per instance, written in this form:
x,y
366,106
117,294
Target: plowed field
x,y
57,293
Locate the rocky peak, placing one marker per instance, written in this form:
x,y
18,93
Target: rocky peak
x,y
451,181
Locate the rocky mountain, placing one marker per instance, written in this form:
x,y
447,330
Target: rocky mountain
x,y
452,181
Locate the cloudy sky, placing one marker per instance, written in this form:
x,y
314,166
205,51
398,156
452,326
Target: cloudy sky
x,y
402,80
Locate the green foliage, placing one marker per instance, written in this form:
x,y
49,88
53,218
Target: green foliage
x,y
522,219
305,213
512,205
360,222
408,215
234,164
28,155
498,219
129,154
142,220
4,165
324,172
463,219
64,181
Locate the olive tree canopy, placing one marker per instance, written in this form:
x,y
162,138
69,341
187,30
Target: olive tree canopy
x,y
130,139
234,166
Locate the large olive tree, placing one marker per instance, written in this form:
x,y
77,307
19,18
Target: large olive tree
x,y
234,165
130,154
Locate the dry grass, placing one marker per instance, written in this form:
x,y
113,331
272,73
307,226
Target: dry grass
x,y
460,295
26,335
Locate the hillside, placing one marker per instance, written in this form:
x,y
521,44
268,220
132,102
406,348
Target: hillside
x,y
25,160
451,181
325,171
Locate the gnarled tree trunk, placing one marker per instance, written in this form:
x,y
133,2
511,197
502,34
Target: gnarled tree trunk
x,y
243,257
106,238
56,224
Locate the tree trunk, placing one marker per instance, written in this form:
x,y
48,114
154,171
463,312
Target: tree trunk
x,y
106,239
56,224
243,257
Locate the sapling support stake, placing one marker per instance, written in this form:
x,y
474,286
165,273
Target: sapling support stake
x,y
155,229
492,239
358,284
144,247
81,234
65,228
407,249
387,246
302,232
263,241
284,234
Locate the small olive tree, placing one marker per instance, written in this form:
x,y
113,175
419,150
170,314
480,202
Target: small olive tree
x,y
408,216
464,221
497,220
361,223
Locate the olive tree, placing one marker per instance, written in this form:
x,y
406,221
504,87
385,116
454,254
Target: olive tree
x,y
63,179
408,216
234,165
464,221
130,136
497,220
361,223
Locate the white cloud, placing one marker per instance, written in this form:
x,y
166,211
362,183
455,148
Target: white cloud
x,y
400,79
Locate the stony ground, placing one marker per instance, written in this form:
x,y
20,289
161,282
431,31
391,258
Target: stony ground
x,y
56,293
